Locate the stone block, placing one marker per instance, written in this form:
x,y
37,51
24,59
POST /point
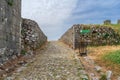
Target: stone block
x,y
109,74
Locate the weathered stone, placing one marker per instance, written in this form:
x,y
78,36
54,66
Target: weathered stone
x,y
2,51
109,74
9,78
95,78
98,68
118,78
83,72
92,74
22,63
20,69
84,77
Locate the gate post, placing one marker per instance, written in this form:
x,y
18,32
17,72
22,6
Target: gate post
x,y
73,37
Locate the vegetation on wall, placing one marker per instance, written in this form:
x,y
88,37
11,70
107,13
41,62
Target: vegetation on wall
x,y
116,27
23,52
10,2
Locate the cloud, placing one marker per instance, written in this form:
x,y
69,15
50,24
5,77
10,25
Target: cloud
x,y
56,16
50,14
95,11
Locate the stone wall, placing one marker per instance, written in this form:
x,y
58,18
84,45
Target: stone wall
x,y
67,37
32,35
96,35
10,29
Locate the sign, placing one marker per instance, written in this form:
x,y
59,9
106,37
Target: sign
x,y
84,31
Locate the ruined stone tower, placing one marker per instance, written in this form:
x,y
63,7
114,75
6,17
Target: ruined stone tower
x,y
118,22
10,29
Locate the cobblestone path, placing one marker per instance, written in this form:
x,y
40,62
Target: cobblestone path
x,y
55,62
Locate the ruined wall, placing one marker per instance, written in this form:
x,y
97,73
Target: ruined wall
x,y
106,22
118,22
10,29
67,37
98,35
32,35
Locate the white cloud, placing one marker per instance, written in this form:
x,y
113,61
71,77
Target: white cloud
x,y
50,14
55,16
92,11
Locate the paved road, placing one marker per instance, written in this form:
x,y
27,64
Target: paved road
x,y
55,62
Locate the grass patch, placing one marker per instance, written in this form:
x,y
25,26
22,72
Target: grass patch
x,y
116,27
103,77
113,57
107,57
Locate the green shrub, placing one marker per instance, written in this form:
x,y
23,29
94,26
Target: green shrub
x,y
113,57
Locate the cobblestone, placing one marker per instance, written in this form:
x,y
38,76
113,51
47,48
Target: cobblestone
x,y
55,62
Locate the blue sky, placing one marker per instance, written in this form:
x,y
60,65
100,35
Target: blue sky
x,y
56,16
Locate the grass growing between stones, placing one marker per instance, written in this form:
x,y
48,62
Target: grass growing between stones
x,y
116,27
103,77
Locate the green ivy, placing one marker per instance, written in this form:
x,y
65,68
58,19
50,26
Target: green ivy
x,y
10,2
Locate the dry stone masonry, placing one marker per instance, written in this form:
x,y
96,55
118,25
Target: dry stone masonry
x,y
17,34
95,35
32,36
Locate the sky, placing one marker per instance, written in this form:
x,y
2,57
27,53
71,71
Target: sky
x,y
55,17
